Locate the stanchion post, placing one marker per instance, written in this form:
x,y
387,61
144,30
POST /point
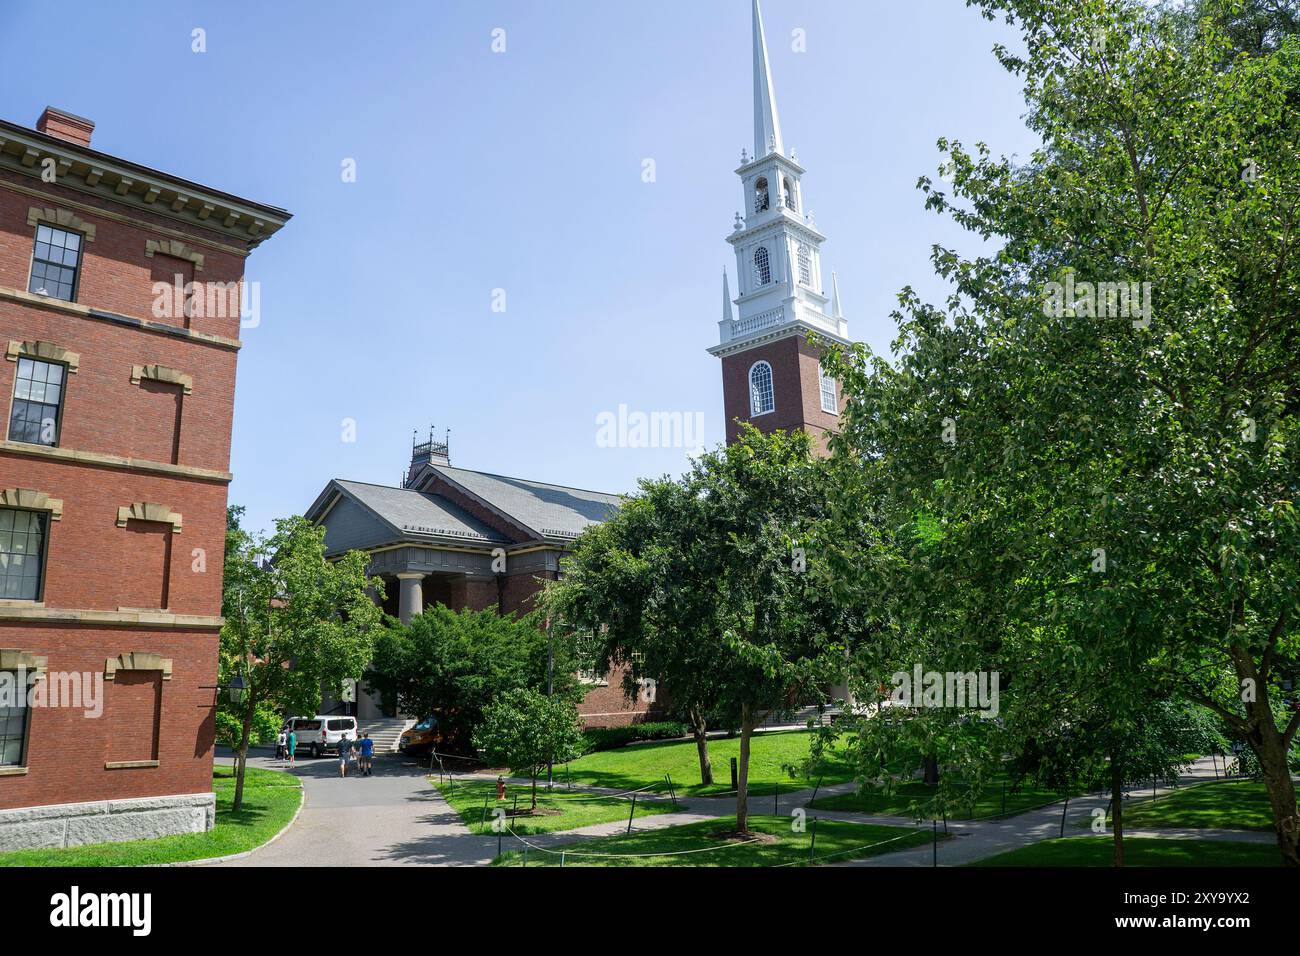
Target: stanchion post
x,y
631,814
812,847
935,825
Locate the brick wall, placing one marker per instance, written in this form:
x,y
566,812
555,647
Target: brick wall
x,y
145,429
68,750
795,384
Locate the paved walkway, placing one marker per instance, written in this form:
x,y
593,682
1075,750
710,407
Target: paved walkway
x,y
394,818
397,818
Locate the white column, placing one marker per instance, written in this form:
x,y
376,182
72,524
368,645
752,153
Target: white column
x,y
411,601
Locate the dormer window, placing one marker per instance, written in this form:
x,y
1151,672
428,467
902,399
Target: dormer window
x,y
761,203
761,398
791,198
762,266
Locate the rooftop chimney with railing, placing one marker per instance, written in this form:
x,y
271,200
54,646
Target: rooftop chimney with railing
x,y
65,126
427,452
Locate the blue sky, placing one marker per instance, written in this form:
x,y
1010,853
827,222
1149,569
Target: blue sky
x,y
520,171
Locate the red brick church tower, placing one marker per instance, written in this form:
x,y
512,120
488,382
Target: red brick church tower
x,y
771,376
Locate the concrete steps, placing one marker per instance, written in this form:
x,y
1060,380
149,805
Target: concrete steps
x,y
385,732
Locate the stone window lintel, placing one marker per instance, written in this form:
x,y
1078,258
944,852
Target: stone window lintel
x,y
45,351
174,248
138,661
30,499
61,219
161,373
148,511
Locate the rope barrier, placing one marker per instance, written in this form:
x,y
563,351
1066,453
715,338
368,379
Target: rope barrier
x,y
627,856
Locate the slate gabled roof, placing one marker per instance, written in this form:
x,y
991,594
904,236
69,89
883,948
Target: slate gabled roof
x,y
363,515
553,511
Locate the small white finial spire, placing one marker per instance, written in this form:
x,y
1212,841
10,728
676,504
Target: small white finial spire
x,y
836,311
726,296
767,124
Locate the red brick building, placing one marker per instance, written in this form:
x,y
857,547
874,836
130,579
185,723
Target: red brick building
x,y
120,298
467,539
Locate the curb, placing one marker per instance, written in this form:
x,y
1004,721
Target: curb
x,y
209,860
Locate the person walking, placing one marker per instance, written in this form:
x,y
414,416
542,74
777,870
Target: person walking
x,y
367,755
291,744
345,754
281,743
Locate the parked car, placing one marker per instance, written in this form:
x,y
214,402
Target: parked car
x,y
420,739
320,734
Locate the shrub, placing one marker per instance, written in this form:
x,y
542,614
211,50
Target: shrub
x,y
611,738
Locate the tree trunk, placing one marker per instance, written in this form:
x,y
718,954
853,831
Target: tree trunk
x,y
931,765
1269,747
1117,807
241,758
701,731
534,806
742,777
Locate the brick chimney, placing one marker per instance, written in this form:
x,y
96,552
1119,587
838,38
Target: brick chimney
x,y
65,126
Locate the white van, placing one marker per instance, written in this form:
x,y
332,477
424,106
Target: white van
x,y
318,734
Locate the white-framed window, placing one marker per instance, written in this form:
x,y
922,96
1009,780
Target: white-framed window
x,y
761,201
805,265
830,394
761,397
791,197
55,263
762,266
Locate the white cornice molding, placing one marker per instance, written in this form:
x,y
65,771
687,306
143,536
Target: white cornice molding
x,y
102,176
796,329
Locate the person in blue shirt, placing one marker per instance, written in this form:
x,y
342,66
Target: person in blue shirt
x,y
367,755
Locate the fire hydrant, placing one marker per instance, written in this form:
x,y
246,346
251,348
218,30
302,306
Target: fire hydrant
x,y
501,788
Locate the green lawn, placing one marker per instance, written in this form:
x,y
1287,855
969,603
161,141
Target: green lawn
x,y
271,799
1227,804
641,764
559,809
988,803
1138,851
836,841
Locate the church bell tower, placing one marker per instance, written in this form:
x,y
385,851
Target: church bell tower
x,y
771,375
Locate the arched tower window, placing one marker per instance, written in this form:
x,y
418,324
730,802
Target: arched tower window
x,y
762,266
805,265
830,396
791,198
761,203
761,399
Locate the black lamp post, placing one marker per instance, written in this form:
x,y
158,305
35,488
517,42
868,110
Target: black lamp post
x,y
237,689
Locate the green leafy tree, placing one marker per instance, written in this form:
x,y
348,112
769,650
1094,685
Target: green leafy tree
x,y
716,583
295,622
1103,417
636,586
528,730
452,664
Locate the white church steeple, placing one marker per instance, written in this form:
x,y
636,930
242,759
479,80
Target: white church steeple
x,y
767,123
777,244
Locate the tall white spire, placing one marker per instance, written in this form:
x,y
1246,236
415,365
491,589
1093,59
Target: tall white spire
x,y
726,297
767,124
837,312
